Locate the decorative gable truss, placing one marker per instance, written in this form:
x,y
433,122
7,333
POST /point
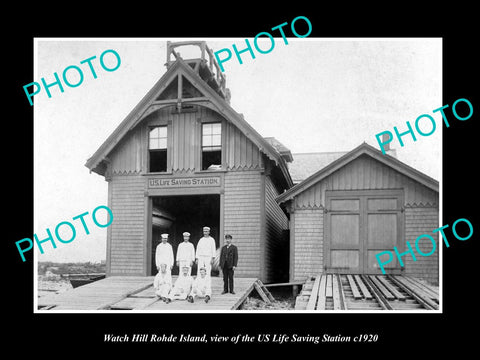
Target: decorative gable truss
x,y
182,86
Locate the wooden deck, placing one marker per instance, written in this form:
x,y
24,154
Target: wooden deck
x,y
137,293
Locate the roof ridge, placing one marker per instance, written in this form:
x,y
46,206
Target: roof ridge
x,y
361,150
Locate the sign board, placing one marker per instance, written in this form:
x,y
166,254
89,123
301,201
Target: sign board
x,y
182,182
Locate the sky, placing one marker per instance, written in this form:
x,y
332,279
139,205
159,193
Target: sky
x,y
313,95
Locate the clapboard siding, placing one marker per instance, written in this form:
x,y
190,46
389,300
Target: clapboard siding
x,y
275,223
419,215
126,242
184,145
308,257
129,159
242,214
419,221
366,173
308,243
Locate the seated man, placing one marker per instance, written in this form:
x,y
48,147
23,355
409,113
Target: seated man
x,y
183,286
202,286
162,282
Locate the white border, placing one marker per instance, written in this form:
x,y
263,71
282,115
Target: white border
x,y
295,312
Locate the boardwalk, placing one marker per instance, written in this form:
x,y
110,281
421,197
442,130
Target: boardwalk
x,y
137,293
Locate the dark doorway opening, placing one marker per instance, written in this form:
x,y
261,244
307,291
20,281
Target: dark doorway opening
x,y
176,214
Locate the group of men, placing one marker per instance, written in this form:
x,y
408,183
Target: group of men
x,y
185,286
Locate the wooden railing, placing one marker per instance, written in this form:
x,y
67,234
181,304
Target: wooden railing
x,y
207,58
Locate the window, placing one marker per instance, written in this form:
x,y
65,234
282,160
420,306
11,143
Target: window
x,y
211,146
157,146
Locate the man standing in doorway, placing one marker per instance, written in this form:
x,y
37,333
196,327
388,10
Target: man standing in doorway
x,y
164,254
228,264
206,250
186,253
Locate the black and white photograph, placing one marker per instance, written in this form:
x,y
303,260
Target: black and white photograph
x,y
309,206
281,187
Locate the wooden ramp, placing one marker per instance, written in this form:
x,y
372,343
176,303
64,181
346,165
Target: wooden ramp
x,y
243,287
366,292
137,293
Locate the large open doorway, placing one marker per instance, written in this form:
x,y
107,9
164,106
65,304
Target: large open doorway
x,y
176,214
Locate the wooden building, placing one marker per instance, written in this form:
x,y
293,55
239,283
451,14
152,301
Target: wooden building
x,y
183,159
356,205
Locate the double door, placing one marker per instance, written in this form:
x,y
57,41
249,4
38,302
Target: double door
x,y
359,225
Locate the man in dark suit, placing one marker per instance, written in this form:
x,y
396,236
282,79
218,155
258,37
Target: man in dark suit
x,y
228,263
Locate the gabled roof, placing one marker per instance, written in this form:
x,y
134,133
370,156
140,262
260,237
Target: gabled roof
x,y
363,149
306,164
96,161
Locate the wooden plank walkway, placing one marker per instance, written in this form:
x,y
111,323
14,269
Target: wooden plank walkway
x,y
137,293
96,295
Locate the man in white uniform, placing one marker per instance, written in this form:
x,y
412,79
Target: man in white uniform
x,y
206,250
162,283
201,287
182,288
164,254
186,253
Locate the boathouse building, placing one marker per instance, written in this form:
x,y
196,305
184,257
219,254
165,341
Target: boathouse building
x,y
184,158
354,206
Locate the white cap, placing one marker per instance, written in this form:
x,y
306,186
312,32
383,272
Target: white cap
x,y
186,233
206,228
164,236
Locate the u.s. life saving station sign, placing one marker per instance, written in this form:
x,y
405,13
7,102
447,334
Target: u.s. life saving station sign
x,y
190,182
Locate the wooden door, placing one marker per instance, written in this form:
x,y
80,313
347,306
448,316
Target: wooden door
x,y
344,253
358,225
383,222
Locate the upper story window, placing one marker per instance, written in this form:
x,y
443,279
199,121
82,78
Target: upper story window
x,y
211,146
157,148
